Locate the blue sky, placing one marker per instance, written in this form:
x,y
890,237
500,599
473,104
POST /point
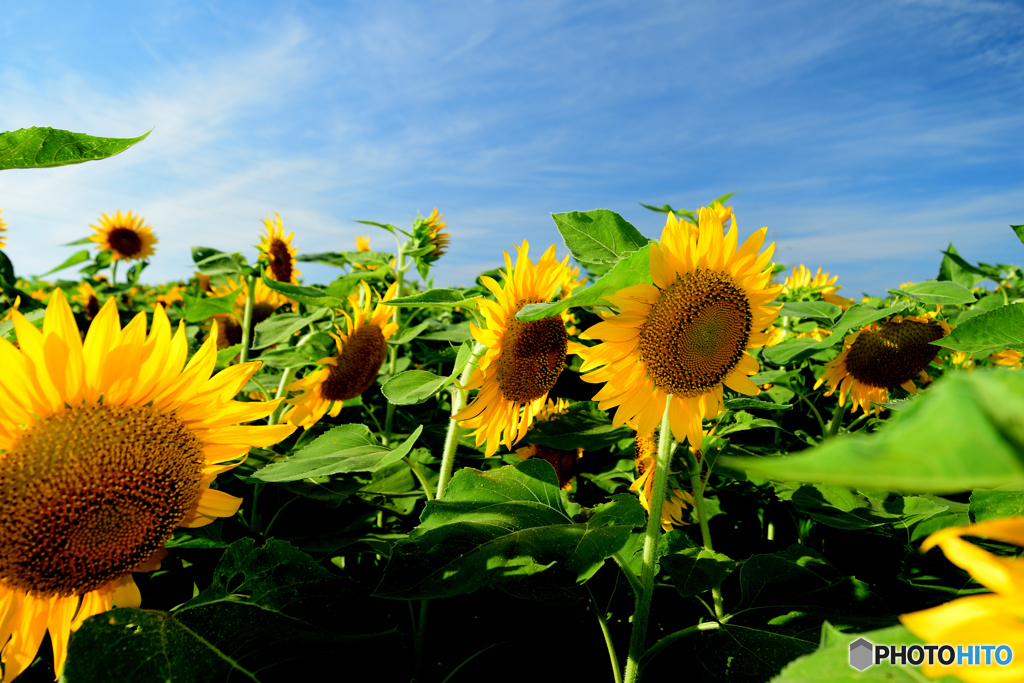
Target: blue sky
x,y
866,135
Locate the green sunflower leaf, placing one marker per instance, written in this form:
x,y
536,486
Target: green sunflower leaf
x,y
311,296
693,569
346,448
582,426
815,310
931,447
200,308
598,237
1005,501
7,277
845,508
632,270
413,386
1019,231
755,404
952,271
292,356
1002,328
503,528
213,262
73,260
434,298
937,292
282,327
47,147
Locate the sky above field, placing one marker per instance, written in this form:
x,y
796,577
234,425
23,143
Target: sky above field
x,y
866,136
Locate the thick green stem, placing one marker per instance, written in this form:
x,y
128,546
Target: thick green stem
x,y
634,582
286,378
451,439
697,488
113,273
837,419
641,612
607,637
393,351
250,301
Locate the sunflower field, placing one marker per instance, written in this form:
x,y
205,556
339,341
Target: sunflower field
x,y
617,457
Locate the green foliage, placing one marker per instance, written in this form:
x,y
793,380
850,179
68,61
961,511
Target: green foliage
x,y
434,298
998,329
937,292
598,238
347,448
46,147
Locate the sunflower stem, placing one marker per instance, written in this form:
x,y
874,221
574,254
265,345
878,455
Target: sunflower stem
x,y
113,273
451,439
393,351
697,488
286,378
250,301
421,476
630,575
837,420
607,636
641,612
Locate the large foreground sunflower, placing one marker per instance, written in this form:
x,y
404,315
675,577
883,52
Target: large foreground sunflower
x,y
686,335
523,358
277,248
881,357
352,369
126,237
107,446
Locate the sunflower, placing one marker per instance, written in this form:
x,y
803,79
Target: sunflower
x,y
350,371
523,358
363,244
882,356
277,248
108,446
801,282
677,501
685,336
124,236
3,229
172,296
961,360
565,461
1007,359
428,232
229,326
87,299
989,618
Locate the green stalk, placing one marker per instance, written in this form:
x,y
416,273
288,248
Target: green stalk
x,y
421,476
837,419
641,612
672,637
393,351
286,378
113,273
697,488
250,301
451,439
607,637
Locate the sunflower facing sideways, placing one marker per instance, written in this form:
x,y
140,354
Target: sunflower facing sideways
x,y
276,247
125,236
107,445
229,326
523,358
686,335
881,357
352,369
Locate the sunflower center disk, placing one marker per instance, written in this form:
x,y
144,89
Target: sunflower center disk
x,y
532,356
280,261
125,241
894,354
89,493
358,365
696,333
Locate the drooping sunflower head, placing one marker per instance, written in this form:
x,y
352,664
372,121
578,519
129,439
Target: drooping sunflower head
x,y
125,236
87,299
684,337
565,461
880,357
229,326
361,350
801,286
108,445
427,231
3,229
276,248
523,358
645,448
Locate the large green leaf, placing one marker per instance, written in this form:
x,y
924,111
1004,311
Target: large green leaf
x,y
45,147
952,271
989,504
797,349
282,327
692,568
434,298
634,269
200,308
311,296
1002,328
598,237
815,310
72,260
346,448
931,447
270,614
210,261
582,426
413,387
845,508
497,528
937,292
831,661
292,356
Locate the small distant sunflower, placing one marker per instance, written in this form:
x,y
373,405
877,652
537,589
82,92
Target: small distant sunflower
x,y
565,461
363,244
801,281
882,356
172,296
108,445
124,236
230,326
677,501
428,230
277,248
523,358
961,360
1007,359
87,299
352,370
685,336
3,229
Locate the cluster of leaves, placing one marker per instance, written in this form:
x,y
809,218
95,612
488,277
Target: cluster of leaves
x,y
341,552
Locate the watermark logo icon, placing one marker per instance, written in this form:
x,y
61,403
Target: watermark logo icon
x,y
861,654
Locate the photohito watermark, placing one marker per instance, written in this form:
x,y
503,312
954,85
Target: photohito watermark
x,y
864,653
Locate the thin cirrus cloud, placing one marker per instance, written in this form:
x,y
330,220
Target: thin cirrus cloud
x,y
866,137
